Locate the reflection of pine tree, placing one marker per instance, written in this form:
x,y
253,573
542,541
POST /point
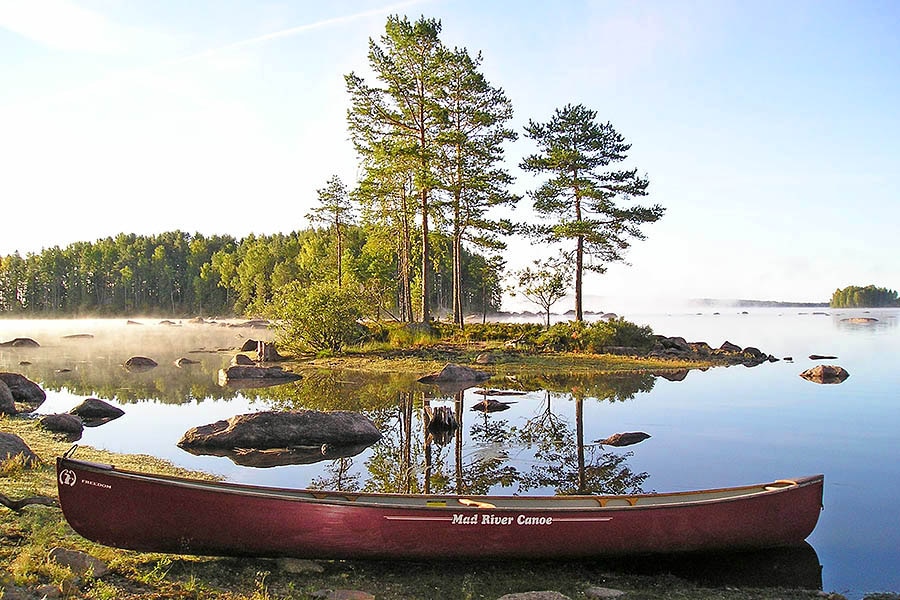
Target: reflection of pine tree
x,y
338,477
546,426
561,462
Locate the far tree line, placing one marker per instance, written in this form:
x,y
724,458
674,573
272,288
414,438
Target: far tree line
x,y
424,228
179,274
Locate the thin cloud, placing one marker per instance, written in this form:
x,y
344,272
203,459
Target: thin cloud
x,y
62,25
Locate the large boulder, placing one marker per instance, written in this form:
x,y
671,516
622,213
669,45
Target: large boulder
x,y
273,429
825,374
7,402
12,445
23,389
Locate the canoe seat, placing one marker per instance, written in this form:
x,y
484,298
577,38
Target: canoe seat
x,y
475,503
618,500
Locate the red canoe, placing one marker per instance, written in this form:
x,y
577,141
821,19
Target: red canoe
x,y
156,513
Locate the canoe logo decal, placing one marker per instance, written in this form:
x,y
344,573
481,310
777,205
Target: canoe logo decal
x,y
68,477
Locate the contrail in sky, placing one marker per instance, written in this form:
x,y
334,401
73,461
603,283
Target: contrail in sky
x,y
291,31
296,30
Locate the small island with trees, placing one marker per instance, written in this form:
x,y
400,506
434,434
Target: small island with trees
x,y
869,296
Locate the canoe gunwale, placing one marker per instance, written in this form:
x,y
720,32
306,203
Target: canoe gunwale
x,y
458,502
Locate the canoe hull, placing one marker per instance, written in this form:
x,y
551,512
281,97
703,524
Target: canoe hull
x,y
148,513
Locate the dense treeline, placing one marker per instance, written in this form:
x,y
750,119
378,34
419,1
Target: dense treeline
x,y
180,274
864,297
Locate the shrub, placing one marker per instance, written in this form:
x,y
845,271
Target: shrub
x,y
322,317
616,332
578,336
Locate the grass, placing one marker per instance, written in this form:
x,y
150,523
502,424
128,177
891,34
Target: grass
x,y
27,538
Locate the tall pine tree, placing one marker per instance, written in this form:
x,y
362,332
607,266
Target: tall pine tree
x,y
585,194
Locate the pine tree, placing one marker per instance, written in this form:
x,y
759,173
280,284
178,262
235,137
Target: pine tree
x,y
585,192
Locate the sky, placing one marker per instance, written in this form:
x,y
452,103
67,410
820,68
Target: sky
x,y
769,130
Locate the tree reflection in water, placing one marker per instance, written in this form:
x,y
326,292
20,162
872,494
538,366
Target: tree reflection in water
x,y
488,454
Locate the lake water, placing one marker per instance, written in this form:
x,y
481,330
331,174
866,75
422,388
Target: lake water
x,y
721,427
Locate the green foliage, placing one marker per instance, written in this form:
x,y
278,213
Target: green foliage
x,y
321,317
544,283
595,337
864,297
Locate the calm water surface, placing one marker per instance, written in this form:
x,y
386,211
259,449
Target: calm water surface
x,y
725,426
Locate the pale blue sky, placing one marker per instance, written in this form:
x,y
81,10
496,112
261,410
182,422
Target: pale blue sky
x,y
769,130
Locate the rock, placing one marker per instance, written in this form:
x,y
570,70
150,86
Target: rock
x,y
184,362
597,592
93,409
535,596
729,347
7,402
242,360
297,566
81,563
273,429
78,336
825,374
673,343
249,345
62,423
455,373
821,357
485,358
860,320
23,389
624,439
140,363
20,343
130,322
490,405
12,445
